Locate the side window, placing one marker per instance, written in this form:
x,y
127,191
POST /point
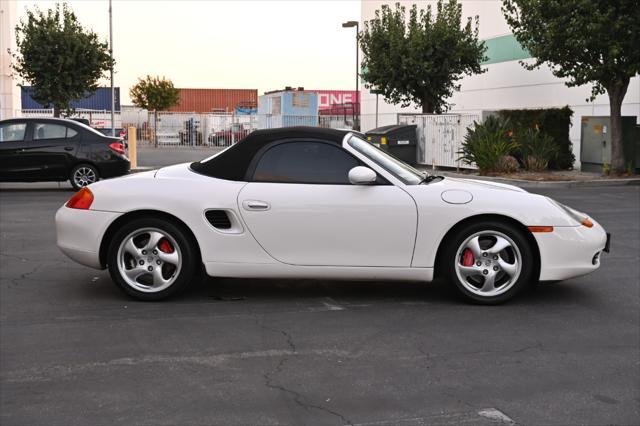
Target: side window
x,y
49,131
71,133
305,162
12,132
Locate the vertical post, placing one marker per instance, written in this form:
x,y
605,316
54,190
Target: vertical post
x,y
376,110
357,78
113,124
133,147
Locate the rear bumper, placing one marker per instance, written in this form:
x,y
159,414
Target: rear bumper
x,y
79,234
570,251
113,168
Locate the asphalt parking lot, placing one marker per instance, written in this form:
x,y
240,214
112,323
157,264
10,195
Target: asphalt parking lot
x,y
75,351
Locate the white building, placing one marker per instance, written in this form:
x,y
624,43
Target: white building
x,y
506,84
9,90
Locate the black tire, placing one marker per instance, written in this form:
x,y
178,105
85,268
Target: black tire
x,y
185,247
451,257
89,171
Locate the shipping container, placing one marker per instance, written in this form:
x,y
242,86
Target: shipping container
x,y
98,100
217,100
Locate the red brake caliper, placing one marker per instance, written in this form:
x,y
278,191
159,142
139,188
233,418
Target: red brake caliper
x,y
467,257
165,246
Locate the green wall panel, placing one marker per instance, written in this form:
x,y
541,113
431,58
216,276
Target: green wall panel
x,y
504,48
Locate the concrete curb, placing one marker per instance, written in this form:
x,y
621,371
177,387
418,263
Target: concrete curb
x,y
523,183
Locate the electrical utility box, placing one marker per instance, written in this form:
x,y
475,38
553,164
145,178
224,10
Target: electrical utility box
x,y
595,143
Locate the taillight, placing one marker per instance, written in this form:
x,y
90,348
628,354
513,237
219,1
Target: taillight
x,y
586,222
81,200
117,147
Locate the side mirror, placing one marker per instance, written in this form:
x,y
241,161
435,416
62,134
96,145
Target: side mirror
x,y
360,175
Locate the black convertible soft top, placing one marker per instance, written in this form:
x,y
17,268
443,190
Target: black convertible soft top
x,y
233,163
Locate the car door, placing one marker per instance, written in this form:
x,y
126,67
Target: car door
x,y
12,141
301,208
51,150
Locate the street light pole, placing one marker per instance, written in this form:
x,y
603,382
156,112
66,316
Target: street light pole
x,y
113,102
356,107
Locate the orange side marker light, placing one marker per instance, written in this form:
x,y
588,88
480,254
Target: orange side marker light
x,y
541,228
586,222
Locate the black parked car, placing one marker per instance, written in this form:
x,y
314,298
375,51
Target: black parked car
x,y
54,149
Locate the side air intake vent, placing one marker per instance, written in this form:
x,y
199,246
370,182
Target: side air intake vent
x,y
218,218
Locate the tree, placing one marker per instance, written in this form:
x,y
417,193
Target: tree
x,y
420,59
584,41
58,57
154,94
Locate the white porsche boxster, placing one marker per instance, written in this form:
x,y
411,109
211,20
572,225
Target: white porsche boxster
x,y
318,203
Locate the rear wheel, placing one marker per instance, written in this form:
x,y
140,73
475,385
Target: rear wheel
x,y
489,262
151,259
83,175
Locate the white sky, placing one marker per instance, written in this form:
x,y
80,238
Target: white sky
x,y
239,44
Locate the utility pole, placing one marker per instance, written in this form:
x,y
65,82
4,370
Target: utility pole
x,y
113,102
356,107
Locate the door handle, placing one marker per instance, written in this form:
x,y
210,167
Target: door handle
x,y
255,205
68,148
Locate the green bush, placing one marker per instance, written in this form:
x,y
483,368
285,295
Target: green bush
x,y
555,122
486,144
537,149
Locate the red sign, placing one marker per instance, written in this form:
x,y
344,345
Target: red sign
x,y
331,98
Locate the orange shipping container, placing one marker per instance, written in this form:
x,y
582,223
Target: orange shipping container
x,y
215,100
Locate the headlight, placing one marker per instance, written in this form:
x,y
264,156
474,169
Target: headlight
x,y
579,217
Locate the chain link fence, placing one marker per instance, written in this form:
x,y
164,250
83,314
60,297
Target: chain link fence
x,y
194,130
439,137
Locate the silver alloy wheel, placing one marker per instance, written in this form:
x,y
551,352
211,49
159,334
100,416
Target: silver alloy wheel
x,y
496,264
84,176
144,261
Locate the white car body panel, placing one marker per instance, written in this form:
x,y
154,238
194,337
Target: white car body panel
x,y
332,225
80,233
326,231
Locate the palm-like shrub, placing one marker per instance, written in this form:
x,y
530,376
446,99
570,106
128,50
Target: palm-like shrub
x,y
486,145
537,149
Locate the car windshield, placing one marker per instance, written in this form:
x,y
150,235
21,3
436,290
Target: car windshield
x,y
397,168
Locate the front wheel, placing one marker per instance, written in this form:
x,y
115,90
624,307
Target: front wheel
x,y
83,175
489,262
151,259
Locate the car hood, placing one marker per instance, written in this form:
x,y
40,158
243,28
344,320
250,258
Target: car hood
x,y
472,184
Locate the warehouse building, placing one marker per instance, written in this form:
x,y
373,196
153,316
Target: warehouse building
x,y
506,84
9,90
98,100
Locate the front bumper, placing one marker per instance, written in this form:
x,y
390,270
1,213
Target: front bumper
x,y
570,251
79,234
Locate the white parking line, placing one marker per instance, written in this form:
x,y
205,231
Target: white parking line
x,y
332,305
496,415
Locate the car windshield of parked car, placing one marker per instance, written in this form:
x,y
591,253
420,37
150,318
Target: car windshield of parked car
x,y
397,168
12,132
